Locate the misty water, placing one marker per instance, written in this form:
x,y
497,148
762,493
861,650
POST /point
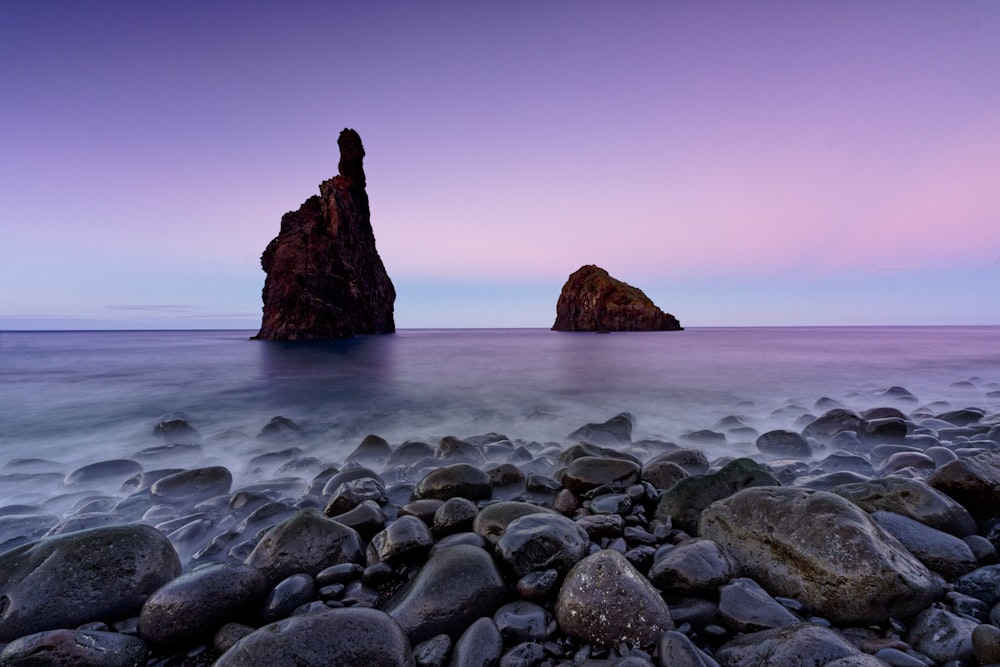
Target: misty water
x,y
80,397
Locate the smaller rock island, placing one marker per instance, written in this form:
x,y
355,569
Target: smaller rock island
x,y
592,300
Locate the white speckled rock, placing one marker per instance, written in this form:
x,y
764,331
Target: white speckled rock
x,y
605,600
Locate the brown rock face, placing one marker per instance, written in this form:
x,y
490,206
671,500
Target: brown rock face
x,y
591,300
325,278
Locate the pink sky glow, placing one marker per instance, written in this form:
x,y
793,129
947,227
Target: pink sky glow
x,y
765,163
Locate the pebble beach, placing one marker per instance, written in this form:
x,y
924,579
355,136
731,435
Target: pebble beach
x,y
852,537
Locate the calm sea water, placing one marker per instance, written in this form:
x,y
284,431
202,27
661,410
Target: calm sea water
x,y
79,397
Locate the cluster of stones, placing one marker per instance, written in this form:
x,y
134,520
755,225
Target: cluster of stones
x,y
861,539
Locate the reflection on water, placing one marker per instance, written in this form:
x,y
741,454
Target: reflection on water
x,y
93,395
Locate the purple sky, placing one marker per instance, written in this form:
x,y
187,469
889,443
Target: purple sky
x,y
743,163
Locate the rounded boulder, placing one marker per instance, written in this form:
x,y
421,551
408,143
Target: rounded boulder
x,y
102,574
194,605
304,542
455,587
542,541
606,601
851,571
347,636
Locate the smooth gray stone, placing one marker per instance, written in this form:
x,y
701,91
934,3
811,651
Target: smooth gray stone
x,y
676,650
114,471
982,583
459,480
192,485
692,565
525,654
615,432
830,480
801,644
693,461
851,571
347,636
973,481
841,461
406,537
72,579
945,554
663,474
492,520
522,621
542,541
832,422
230,633
986,644
353,492
911,498
433,652
305,542
373,450
194,605
684,502
589,472
455,450
336,478
455,587
746,607
782,443
479,645
942,636
75,648
897,658
366,518
453,516
286,597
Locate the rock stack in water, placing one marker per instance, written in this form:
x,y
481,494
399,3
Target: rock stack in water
x,y
591,300
325,278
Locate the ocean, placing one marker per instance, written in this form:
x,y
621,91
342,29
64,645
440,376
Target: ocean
x,y
80,397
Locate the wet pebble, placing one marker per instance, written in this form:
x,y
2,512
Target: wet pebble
x,y
523,621
542,541
75,648
350,636
406,537
455,587
290,593
746,607
605,601
459,480
192,606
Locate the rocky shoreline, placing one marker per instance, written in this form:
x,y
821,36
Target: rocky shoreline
x,y
854,538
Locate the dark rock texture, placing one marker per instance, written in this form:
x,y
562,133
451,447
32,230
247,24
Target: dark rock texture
x,y
591,300
851,571
334,637
325,278
194,604
101,574
606,601
454,588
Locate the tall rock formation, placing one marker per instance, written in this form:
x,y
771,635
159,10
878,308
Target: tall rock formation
x,y
591,300
325,278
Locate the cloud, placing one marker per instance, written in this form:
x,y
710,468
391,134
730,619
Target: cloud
x,y
155,308
896,268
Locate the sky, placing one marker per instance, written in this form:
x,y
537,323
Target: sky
x,y
743,163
